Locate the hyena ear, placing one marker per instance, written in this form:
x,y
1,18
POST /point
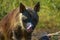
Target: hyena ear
x,y
22,7
37,7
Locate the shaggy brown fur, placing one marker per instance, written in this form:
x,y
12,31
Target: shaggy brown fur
x,y
9,22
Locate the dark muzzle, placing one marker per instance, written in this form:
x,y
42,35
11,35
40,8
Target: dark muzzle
x,y
29,27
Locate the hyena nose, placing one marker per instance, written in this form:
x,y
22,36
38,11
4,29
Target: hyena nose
x,y
29,27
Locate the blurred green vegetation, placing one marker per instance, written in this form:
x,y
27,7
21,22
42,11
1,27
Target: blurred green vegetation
x,y
49,15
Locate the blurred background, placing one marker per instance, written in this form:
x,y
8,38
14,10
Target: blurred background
x,y
49,14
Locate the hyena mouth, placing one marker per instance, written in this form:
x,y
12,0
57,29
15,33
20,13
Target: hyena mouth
x,y
29,27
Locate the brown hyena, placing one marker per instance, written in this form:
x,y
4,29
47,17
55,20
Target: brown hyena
x,y
19,23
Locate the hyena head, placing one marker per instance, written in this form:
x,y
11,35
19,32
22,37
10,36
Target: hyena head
x,y
30,16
